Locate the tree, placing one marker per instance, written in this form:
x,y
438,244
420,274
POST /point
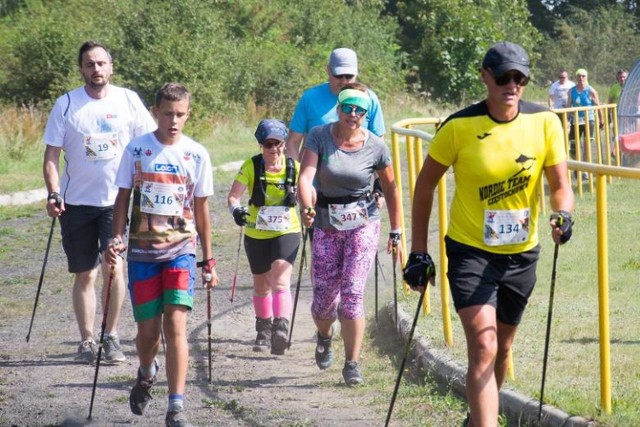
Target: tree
x,y
446,40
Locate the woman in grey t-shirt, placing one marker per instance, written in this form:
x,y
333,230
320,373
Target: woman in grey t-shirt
x,y
342,158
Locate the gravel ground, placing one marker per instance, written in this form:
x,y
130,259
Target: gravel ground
x,y
41,385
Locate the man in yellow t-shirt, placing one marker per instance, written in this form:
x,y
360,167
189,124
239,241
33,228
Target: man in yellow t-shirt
x,y
499,149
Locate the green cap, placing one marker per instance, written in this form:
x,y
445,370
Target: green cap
x,y
355,97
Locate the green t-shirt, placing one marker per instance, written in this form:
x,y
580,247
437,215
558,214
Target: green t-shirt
x,y
274,196
614,93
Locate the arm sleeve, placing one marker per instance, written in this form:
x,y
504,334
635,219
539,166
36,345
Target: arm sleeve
x,y
376,118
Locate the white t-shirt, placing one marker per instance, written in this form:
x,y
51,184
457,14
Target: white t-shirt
x,y
93,133
165,180
559,93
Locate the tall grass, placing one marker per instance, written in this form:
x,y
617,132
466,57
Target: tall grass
x,y
20,142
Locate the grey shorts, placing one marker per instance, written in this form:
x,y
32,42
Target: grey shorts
x,y
261,253
86,231
478,277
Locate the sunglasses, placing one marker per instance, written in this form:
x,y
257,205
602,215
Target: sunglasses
x,y
518,78
348,109
270,144
343,76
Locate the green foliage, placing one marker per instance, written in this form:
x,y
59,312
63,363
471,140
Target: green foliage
x,y
601,40
235,57
447,39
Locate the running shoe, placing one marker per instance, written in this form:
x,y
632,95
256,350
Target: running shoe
x,y
112,349
263,338
351,373
87,352
140,395
324,355
279,335
176,419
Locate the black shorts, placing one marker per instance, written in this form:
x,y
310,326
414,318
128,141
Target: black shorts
x,y
261,253
86,231
478,277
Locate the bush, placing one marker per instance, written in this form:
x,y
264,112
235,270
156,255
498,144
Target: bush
x,y
235,57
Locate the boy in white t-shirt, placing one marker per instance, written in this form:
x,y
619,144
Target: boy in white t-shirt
x,y
171,179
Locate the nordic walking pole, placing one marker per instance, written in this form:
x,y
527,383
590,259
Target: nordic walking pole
x,y
235,276
209,328
548,334
395,286
376,283
104,326
44,264
295,301
406,353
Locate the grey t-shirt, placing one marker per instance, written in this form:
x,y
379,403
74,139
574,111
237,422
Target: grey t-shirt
x,y
345,173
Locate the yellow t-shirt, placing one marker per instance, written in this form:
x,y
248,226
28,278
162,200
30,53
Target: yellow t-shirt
x,y
274,196
497,168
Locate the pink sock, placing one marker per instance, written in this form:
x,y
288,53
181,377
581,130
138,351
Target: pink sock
x,y
262,306
282,303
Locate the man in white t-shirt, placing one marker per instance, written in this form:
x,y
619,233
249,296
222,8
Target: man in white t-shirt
x,y
91,124
559,90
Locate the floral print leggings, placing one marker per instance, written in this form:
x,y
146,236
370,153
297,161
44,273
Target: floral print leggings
x,y
342,260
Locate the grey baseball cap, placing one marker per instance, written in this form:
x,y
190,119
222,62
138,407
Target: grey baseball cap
x,y
506,56
343,61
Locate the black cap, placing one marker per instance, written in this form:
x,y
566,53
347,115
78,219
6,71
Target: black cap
x,y
506,56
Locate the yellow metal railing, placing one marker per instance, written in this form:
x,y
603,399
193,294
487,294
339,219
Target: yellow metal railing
x,y
604,168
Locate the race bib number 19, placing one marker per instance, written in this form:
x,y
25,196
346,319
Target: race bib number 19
x,y
506,227
101,146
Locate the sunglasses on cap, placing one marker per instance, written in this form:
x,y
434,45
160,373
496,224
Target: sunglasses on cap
x,y
270,144
348,109
343,76
518,78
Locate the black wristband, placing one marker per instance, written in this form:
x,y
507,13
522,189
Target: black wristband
x,y
204,262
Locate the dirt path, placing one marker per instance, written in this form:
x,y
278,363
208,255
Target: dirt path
x,y
40,384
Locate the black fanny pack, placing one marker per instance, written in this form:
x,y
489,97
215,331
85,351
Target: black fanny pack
x,y
324,202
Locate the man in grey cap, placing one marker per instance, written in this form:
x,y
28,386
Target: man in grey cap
x,y
498,148
318,103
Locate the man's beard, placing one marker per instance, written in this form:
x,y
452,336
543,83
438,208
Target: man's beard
x,y
104,82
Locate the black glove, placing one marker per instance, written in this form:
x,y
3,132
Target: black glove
x,y
564,223
419,270
240,215
56,197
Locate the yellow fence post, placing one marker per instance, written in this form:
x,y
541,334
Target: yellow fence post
x,y
603,295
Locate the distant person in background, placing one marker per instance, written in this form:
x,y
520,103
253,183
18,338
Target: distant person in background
x,y
92,125
272,231
583,95
559,90
616,89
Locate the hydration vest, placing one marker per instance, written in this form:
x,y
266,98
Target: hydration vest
x,y
260,183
